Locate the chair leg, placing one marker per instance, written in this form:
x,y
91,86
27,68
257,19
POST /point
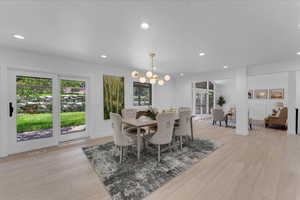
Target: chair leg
x,y
121,154
180,142
126,151
158,153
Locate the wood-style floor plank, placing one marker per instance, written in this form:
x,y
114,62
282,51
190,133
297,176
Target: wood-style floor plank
x,y
262,166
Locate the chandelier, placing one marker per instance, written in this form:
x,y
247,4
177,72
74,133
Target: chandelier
x,y
150,76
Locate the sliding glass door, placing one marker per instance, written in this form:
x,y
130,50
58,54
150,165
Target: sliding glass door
x,y
44,110
34,108
203,97
32,118
73,104
200,102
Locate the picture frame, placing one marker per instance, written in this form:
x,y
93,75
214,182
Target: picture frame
x,y
250,94
113,95
276,93
261,93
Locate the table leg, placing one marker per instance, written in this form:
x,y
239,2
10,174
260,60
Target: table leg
x,y
192,132
138,142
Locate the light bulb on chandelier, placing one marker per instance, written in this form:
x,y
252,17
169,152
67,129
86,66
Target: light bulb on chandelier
x,y
149,74
161,82
150,77
142,79
135,74
167,77
152,81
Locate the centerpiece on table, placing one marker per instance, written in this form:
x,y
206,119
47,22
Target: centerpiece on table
x,y
152,113
147,114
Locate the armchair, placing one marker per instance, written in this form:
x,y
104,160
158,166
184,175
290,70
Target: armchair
x,y
218,115
279,120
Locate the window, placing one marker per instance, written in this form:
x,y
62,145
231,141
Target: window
x,y
203,97
201,85
142,94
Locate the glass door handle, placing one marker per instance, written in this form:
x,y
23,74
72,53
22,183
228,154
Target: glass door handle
x,y
11,109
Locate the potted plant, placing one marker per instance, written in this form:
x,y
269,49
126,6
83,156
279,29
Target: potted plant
x,y
221,101
152,113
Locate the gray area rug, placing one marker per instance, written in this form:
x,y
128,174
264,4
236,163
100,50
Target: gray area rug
x,y
136,179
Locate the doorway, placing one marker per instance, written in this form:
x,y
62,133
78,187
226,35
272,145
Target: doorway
x,y
45,109
203,97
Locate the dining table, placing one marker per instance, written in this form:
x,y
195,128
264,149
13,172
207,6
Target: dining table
x,y
138,124
142,123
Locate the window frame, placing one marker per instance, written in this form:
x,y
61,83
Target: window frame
x,y
196,88
137,84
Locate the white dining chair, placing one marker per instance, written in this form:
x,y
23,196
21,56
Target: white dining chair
x,y
184,126
231,119
184,109
122,137
129,113
164,133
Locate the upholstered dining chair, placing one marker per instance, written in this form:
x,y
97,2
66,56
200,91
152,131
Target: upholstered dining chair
x,y
184,128
218,115
122,137
231,119
164,133
179,110
184,109
128,114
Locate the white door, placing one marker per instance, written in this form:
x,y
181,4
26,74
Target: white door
x,y
73,108
200,102
34,114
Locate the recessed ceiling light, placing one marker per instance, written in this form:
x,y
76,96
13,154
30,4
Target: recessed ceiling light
x,y
298,53
225,67
181,74
145,26
20,37
103,56
201,54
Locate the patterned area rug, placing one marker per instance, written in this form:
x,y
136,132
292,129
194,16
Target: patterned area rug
x,y
136,179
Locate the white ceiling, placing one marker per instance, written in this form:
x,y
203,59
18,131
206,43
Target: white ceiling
x,y
233,33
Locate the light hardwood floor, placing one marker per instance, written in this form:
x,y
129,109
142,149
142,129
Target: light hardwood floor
x,y
262,166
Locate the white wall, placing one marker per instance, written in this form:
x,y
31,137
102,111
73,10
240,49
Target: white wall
x,y
226,89
164,96
261,108
183,85
24,60
3,113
